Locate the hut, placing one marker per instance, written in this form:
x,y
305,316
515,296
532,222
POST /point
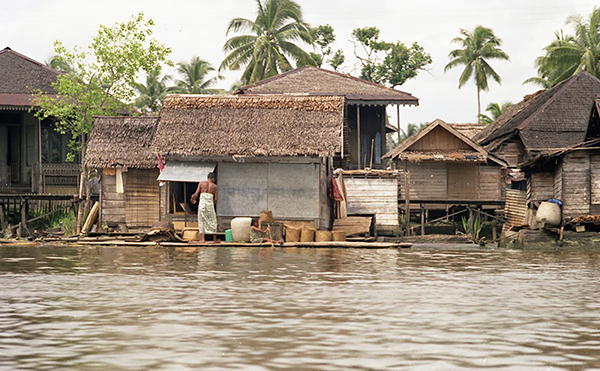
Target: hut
x,y
269,152
365,119
32,154
129,192
549,121
447,168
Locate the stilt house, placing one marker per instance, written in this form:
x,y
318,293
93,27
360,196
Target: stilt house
x,y
269,152
119,147
32,154
447,168
550,121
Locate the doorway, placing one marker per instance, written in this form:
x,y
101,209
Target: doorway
x,y
13,155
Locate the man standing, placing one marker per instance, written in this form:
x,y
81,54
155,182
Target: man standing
x,y
207,217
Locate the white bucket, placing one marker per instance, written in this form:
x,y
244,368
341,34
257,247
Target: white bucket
x,y
240,229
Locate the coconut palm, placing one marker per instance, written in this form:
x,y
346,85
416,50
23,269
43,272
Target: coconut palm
x,y
194,77
568,55
478,47
59,64
269,45
496,110
152,93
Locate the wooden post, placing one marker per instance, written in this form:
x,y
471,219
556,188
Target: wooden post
x,y
383,136
494,233
1,219
40,184
407,202
422,220
23,214
471,221
372,145
358,135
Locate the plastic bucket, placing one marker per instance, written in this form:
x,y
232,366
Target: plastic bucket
x,y
228,235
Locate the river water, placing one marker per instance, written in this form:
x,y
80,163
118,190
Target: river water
x,y
301,309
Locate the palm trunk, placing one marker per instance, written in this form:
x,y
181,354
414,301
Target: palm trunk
x,y
478,105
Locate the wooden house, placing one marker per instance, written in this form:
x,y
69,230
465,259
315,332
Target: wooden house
x,y
447,168
365,118
549,121
32,154
269,152
119,147
571,175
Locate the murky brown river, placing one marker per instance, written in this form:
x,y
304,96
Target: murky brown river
x,y
300,309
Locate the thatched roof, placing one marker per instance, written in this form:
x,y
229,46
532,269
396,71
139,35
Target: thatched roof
x,y
310,80
20,76
265,125
468,130
552,118
122,141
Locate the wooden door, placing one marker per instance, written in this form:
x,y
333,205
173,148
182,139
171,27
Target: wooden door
x,y
141,197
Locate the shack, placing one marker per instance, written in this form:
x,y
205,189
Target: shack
x,y
269,152
32,154
119,147
447,168
552,121
365,118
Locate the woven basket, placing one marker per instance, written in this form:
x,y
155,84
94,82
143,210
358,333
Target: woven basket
x,y
323,236
292,234
339,235
307,235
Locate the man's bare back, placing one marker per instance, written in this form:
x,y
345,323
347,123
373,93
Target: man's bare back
x,y
206,186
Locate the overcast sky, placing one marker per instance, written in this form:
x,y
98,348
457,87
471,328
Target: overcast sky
x,y
198,28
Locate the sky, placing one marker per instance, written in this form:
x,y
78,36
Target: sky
x,y
198,28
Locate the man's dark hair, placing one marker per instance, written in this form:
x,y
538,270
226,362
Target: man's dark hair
x,y
211,176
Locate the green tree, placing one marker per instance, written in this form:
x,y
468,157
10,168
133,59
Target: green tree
x,y
102,77
570,54
153,92
59,64
194,77
496,110
323,37
387,63
269,45
477,47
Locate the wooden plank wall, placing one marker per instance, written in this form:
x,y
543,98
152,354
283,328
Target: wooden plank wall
x,y
374,196
113,203
439,139
463,181
558,182
490,183
515,207
428,180
540,187
511,152
142,205
576,184
595,179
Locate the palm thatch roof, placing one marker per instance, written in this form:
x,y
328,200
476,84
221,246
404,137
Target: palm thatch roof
x,y
265,125
122,141
552,118
21,76
311,80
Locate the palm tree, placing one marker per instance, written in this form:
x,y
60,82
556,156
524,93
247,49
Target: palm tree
x,y
568,55
478,47
496,110
265,49
194,77
152,93
59,64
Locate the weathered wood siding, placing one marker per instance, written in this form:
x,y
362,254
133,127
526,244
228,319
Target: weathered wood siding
x,y
558,182
490,183
540,187
511,151
374,196
142,205
463,181
439,139
595,179
113,203
576,184
428,180
515,207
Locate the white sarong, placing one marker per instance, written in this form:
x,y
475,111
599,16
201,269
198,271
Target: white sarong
x,y
207,217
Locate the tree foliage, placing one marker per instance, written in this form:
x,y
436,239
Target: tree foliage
x,y
387,63
570,54
102,77
476,48
496,110
153,92
323,37
194,77
270,42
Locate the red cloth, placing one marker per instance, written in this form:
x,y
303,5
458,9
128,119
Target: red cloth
x,y
336,193
161,165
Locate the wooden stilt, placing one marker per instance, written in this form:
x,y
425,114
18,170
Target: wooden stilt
x,y
407,203
1,219
422,220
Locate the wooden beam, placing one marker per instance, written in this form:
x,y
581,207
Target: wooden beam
x,y
407,202
358,135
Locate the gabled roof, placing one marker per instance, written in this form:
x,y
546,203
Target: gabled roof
x,y
20,76
470,150
250,125
122,141
469,130
552,118
312,81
